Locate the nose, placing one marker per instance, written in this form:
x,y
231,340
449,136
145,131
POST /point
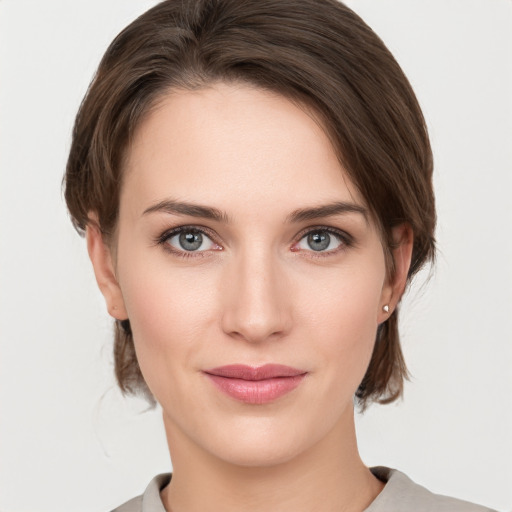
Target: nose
x,y
256,300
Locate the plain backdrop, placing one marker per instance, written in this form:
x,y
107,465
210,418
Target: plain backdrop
x,y
70,442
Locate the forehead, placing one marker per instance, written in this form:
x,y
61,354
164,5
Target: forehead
x,y
233,144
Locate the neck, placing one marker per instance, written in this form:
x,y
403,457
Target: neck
x,y
328,477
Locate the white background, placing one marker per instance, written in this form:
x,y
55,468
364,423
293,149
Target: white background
x,y
69,442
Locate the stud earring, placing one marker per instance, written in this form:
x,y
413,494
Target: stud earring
x,y
385,308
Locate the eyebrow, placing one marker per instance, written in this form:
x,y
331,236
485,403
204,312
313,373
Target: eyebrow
x,y
327,210
181,208
174,207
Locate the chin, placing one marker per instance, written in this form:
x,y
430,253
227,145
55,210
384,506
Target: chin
x,y
264,442
255,454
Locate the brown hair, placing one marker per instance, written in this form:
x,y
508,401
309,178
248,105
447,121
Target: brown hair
x,y
316,52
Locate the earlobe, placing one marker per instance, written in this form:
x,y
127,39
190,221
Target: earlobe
x,y
401,252
101,259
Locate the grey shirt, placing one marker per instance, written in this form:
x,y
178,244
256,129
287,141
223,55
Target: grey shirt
x,y
400,494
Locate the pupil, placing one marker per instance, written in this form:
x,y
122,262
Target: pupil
x,y
319,241
191,241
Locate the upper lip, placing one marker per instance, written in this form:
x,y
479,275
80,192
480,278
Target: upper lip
x,y
244,372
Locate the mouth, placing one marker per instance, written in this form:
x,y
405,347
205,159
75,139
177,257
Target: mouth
x,y
256,385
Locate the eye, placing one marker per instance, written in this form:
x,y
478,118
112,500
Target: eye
x,y
190,240
321,240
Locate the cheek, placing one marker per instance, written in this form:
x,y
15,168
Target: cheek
x,y
342,317
170,314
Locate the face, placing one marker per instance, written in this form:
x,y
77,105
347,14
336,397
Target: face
x,y
252,274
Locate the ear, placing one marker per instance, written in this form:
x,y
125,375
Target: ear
x,y
394,287
101,259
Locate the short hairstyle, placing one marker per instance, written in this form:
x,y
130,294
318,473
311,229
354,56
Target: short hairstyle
x,y
317,53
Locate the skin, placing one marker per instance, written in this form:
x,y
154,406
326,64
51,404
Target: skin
x,y
258,293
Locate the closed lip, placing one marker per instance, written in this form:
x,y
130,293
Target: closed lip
x,y
244,372
255,385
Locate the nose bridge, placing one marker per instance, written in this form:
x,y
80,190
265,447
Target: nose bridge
x,y
256,307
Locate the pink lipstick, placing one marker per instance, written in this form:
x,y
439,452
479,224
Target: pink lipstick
x,y
258,385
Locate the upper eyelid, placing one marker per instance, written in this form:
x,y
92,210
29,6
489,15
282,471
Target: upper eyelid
x,y
168,233
335,231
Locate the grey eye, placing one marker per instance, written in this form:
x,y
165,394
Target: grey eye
x,y
319,240
190,241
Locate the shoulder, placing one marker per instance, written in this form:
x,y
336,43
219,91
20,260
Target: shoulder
x,y
134,505
401,494
149,501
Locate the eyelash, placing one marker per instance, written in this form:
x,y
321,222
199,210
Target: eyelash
x,y
344,238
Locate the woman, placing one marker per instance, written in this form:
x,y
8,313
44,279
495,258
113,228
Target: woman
x,y
254,183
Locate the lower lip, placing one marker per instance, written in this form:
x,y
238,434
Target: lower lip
x,y
256,391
